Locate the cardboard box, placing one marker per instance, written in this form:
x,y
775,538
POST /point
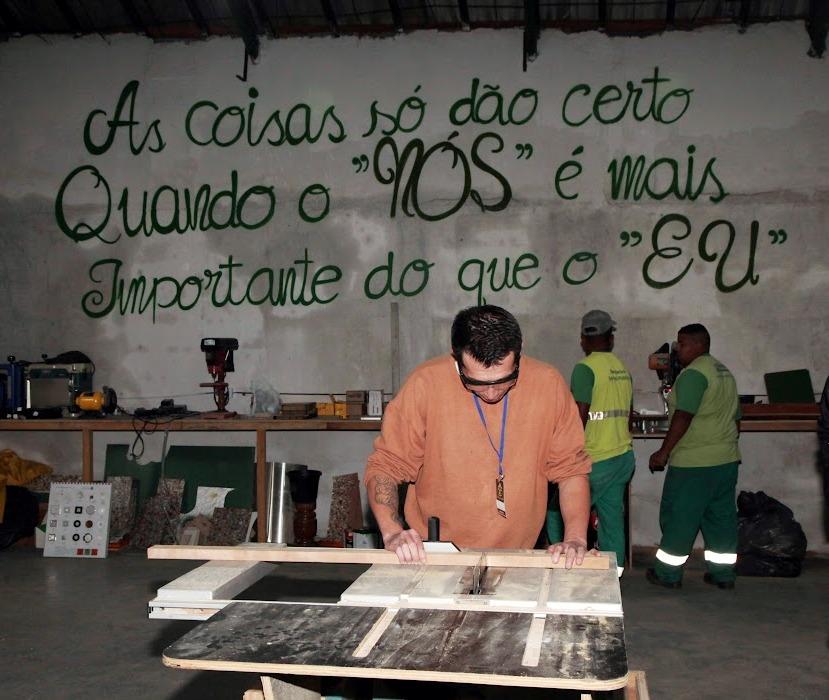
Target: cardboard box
x,y
335,409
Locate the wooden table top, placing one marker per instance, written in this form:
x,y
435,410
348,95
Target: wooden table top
x,y
461,646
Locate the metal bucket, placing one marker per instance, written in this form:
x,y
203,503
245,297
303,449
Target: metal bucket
x,y
280,507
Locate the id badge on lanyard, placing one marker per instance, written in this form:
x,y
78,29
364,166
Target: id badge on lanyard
x,y
500,501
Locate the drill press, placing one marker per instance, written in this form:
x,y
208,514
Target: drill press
x,y
666,364
218,353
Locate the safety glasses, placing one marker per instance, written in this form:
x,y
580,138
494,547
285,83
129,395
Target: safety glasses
x,y
472,384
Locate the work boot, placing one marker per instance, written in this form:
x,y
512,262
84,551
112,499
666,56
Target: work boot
x,y
650,574
724,585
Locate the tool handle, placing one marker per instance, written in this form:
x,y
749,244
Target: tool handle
x,y
434,529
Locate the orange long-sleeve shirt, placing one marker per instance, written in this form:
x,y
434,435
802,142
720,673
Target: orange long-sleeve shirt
x,y
433,437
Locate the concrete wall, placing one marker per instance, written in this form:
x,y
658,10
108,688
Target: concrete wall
x,y
511,199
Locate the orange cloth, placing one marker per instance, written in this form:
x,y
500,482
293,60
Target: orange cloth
x,y
432,436
16,471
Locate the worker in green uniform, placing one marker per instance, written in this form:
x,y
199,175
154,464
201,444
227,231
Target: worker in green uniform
x,y
701,449
603,390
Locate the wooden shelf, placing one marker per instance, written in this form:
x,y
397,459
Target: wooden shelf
x,y
195,424
780,410
261,426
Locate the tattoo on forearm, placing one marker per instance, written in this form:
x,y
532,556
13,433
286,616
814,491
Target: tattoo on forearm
x,y
385,494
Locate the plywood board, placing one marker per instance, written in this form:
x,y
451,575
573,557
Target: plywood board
x,y
585,592
439,585
530,590
513,587
381,584
524,558
214,580
586,652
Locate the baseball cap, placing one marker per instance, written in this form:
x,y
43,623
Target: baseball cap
x,y
597,322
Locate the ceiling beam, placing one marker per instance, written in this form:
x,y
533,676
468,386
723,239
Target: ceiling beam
x,y
463,11
817,25
670,13
532,30
396,15
264,17
135,19
155,24
198,16
745,11
331,16
602,8
70,17
246,24
10,22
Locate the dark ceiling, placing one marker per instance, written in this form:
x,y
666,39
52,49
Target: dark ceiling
x,y
165,20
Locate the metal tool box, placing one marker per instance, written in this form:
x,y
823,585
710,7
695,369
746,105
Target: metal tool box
x,y
55,383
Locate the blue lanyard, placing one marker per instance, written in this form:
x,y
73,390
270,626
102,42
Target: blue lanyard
x,y
499,452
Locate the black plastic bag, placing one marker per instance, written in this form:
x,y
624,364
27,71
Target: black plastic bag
x,y
20,516
770,542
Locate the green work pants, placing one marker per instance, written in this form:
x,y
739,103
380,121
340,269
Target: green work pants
x,y
694,499
608,481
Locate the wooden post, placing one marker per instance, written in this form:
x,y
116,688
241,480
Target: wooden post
x,y
261,484
297,688
86,463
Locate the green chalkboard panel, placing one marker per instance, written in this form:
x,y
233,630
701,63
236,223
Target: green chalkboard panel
x,y
199,465
208,465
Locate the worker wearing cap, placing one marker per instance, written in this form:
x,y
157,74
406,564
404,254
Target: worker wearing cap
x,y
701,449
603,390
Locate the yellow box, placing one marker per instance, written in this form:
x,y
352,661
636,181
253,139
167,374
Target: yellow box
x,y
328,408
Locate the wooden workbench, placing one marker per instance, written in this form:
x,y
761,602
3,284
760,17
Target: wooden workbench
x,y
756,418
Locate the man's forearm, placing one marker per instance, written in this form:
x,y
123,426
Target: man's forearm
x,y
584,412
385,504
574,500
680,423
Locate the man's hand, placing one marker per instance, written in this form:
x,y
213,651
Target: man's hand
x,y
658,461
408,546
680,422
573,551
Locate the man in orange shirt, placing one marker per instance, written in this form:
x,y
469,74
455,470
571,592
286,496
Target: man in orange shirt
x,y
478,435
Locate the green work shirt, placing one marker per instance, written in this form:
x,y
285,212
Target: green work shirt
x,y
602,381
706,389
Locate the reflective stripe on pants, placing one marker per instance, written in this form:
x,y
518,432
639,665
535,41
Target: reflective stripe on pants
x,y
720,557
670,559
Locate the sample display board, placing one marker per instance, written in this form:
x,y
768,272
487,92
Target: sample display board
x,y
78,521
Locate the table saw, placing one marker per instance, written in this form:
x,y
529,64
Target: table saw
x,y
491,617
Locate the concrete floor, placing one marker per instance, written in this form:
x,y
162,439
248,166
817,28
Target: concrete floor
x,y
79,629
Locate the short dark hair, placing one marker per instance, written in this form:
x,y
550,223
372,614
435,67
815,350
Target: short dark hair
x,y
698,331
488,333
605,337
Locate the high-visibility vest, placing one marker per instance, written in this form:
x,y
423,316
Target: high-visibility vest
x,y
607,433
711,439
